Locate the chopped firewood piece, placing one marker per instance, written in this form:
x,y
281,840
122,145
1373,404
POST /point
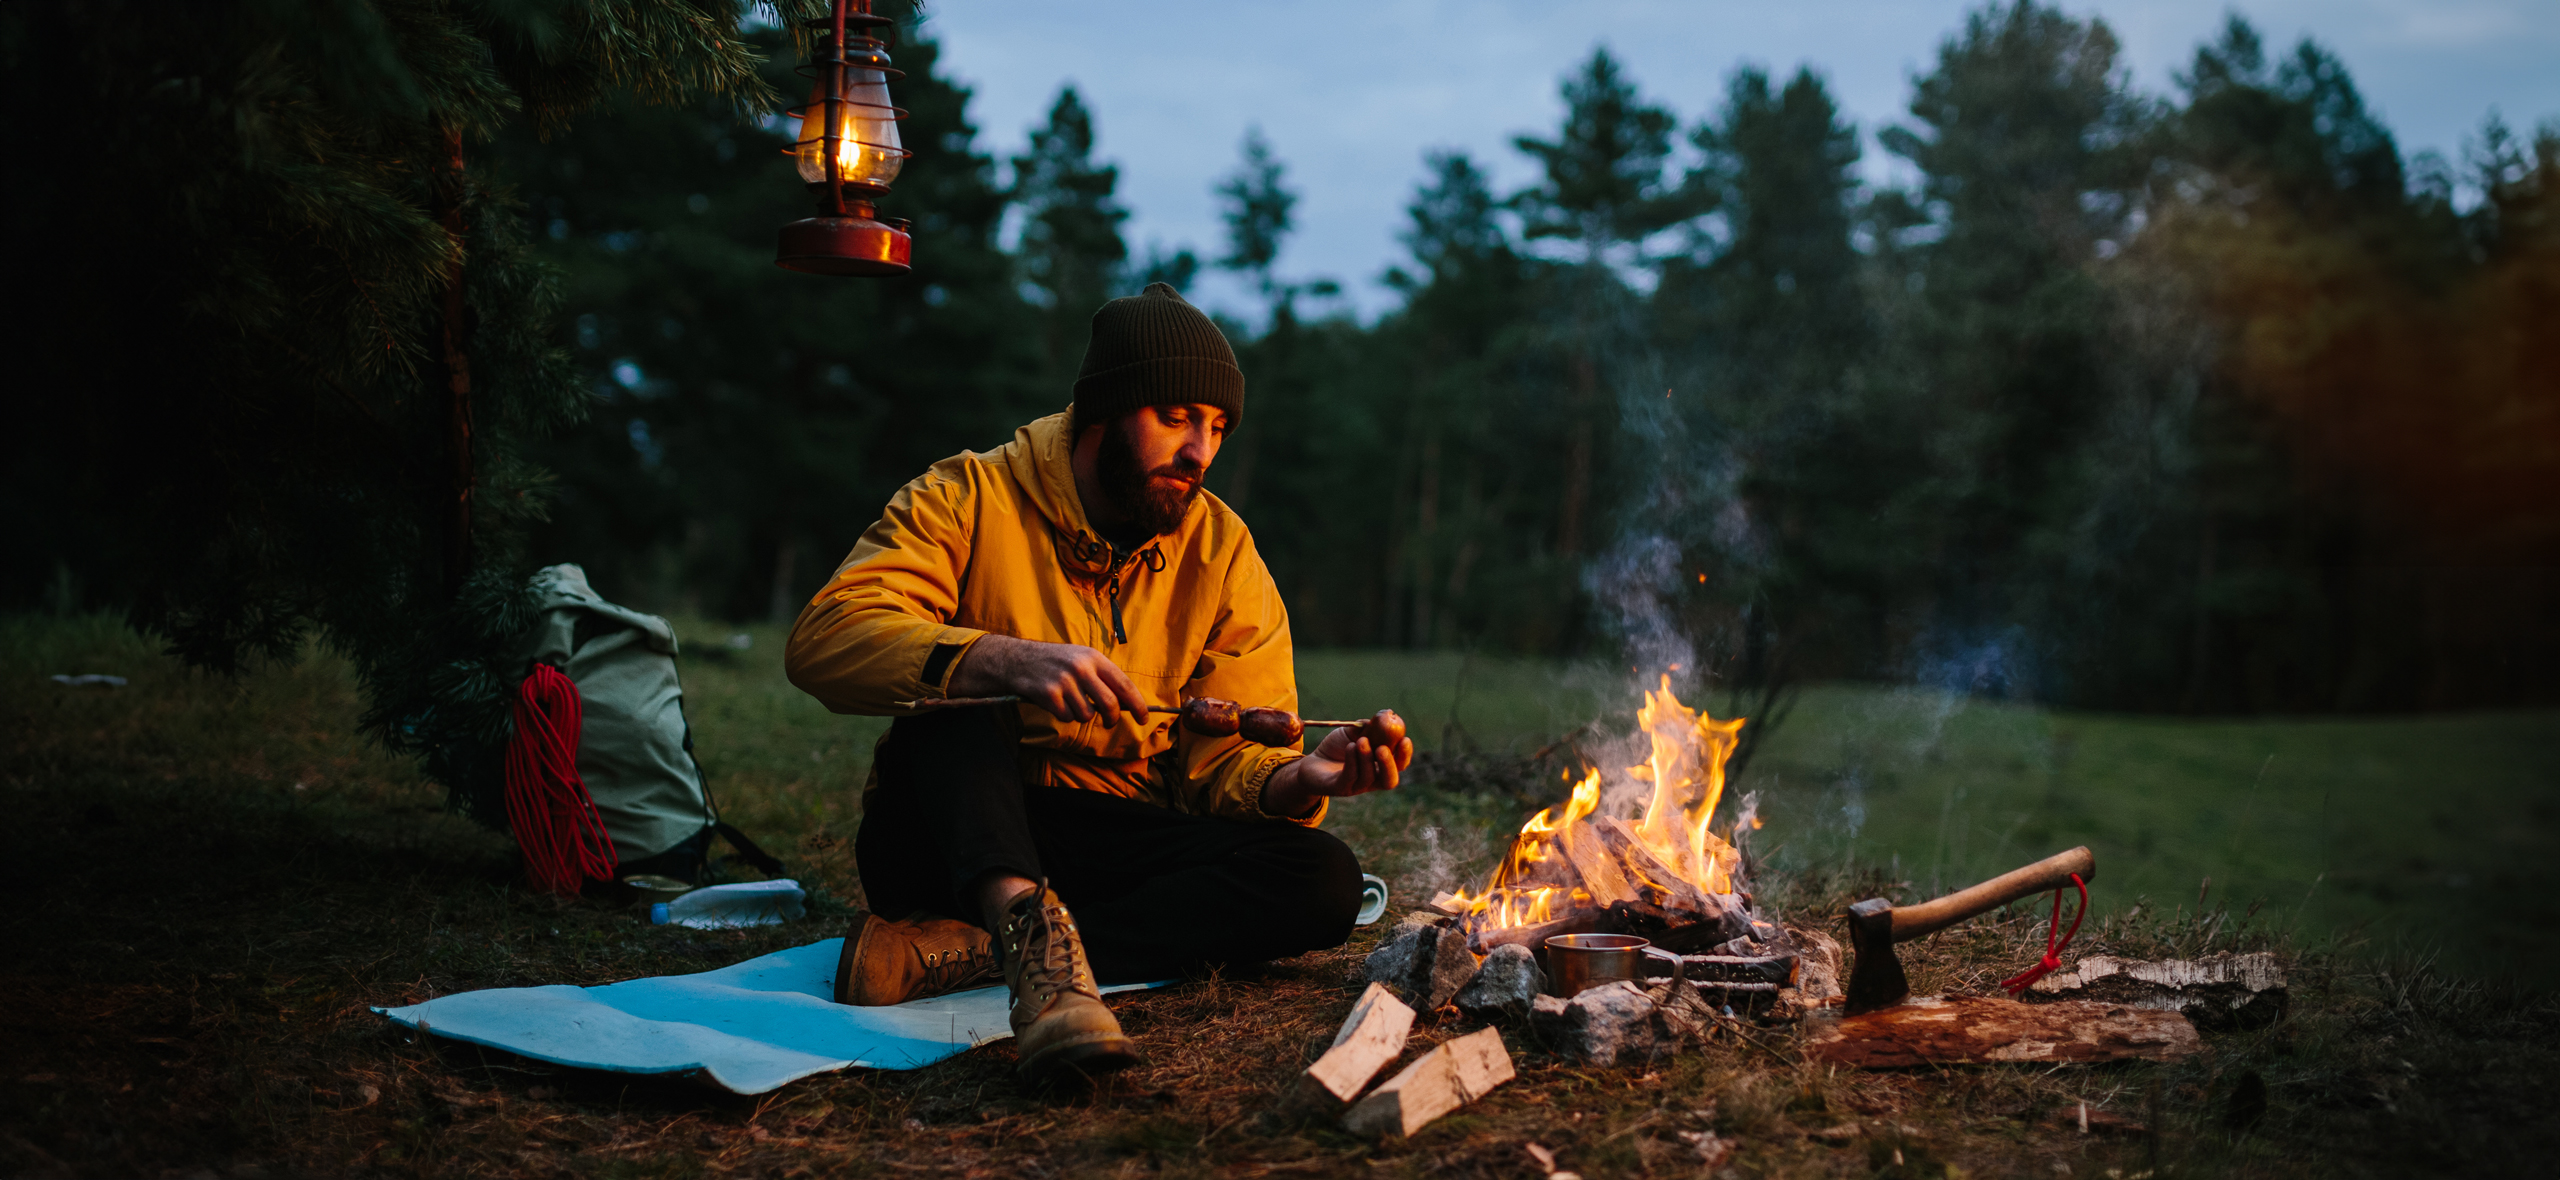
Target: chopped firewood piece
x,y
1373,1035
1982,1030
2217,991
1817,966
1448,903
1440,1081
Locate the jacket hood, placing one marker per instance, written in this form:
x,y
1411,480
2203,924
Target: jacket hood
x,y
1041,458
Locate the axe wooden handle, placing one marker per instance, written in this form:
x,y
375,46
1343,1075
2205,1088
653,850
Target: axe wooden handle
x,y
2053,872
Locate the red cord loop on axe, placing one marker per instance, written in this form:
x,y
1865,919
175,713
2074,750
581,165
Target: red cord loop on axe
x,y
2052,960
548,809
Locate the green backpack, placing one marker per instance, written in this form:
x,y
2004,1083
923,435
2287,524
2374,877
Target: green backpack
x,y
635,750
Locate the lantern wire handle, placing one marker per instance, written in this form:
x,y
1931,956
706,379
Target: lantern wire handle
x,y
836,116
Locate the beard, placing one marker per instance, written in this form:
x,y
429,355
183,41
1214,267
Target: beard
x,y
1153,502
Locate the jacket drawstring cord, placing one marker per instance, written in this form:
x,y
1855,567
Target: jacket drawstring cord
x,y
1150,557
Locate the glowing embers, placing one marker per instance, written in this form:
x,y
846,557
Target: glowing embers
x,y
1659,869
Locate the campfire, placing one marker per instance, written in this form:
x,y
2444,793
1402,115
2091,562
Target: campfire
x,y
1638,853
1661,872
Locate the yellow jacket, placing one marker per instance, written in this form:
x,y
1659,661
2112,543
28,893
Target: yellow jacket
x,y
998,541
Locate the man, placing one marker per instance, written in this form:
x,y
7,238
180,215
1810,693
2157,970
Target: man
x,y
1081,568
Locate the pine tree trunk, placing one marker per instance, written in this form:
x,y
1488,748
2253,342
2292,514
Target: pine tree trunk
x,y
456,366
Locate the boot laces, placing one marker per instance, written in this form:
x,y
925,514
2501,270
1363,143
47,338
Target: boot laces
x,y
1052,955
945,970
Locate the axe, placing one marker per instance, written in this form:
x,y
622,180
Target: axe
x,y
1875,975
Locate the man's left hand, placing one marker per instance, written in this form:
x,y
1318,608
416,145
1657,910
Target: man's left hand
x,y
1341,765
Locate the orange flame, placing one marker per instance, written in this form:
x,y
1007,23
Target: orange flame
x,y
1665,856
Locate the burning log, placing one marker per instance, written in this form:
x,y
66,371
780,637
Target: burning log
x,y
1677,932
1595,871
1660,875
1984,1030
1373,1035
1664,884
1440,1081
1535,936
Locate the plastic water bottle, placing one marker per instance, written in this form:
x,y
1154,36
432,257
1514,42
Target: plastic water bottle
x,y
730,907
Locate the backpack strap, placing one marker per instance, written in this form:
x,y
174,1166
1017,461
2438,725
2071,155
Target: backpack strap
x,y
762,861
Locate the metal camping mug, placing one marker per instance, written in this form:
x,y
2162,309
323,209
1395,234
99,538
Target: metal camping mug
x,y
1580,962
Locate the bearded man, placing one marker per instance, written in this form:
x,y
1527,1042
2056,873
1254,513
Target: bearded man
x,y
1082,568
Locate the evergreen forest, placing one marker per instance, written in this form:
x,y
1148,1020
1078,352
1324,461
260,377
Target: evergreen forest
x,y
2207,401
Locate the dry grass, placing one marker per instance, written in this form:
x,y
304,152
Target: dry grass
x,y
212,883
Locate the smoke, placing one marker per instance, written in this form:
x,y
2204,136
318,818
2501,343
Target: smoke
x,y
1439,869
1632,583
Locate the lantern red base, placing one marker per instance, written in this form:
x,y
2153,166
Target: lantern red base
x,y
850,245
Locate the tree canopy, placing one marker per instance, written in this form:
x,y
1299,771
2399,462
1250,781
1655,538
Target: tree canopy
x,y
2208,400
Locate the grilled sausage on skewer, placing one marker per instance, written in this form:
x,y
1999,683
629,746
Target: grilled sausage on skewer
x,y
1210,716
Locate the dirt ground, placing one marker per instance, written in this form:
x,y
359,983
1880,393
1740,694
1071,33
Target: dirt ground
x,y
209,893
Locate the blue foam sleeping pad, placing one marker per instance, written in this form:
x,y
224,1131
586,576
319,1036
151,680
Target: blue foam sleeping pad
x,y
752,1027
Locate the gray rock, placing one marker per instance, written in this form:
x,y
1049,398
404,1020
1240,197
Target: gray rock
x,y
1425,959
1505,985
1603,1026
1417,936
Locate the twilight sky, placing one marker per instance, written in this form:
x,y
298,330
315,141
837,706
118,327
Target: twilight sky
x,y
1352,93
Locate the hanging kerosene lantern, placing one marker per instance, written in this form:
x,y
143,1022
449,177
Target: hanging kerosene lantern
x,y
848,153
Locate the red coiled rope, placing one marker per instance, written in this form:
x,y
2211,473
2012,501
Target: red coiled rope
x,y
2052,960
548,808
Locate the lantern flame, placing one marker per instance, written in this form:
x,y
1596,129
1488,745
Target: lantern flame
x,y
868,151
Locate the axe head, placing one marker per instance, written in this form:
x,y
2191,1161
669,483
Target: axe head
x,y
1875,972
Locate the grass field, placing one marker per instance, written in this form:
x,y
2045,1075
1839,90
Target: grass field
x,y
2422,835
212,881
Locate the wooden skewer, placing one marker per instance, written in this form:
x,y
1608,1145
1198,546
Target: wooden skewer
x,y
956,702
1010,699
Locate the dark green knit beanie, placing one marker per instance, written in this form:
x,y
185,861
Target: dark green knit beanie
x,y
1155,349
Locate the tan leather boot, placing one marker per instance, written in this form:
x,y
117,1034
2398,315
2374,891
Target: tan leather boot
x,y
888,962
1061,1029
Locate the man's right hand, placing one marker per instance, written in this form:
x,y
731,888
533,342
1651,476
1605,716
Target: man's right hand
x,y
1070,680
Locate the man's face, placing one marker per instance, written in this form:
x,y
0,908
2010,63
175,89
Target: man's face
x,y
1152,462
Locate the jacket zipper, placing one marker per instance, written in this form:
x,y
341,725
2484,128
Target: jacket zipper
x,y
1120,630
1119,633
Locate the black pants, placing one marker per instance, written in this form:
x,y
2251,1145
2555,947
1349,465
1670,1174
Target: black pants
x,y
1155,893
